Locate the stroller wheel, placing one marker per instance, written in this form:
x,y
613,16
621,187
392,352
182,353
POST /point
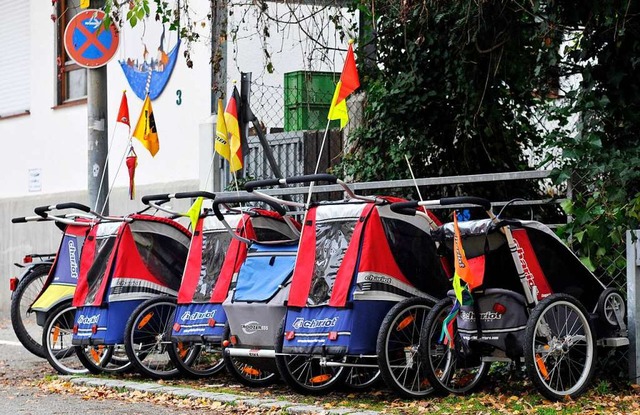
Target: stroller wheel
x,y
24,322
245,373
611,305
360,378
206,362
304,373
449,370
560,352
56,340
103,359
398,348
147,339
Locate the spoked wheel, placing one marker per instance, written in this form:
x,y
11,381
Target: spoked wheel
x,y
206,362
450,370
304,373
398,348
611,305
360,378
24,322
103,359
56,339
147,339
560,350
244,372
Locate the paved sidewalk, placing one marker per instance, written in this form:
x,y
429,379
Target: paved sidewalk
x,y
287,407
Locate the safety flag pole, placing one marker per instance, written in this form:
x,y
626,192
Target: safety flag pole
x,y
123,117
349,82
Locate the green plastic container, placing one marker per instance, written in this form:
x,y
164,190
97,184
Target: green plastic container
x,y
304,87
307,117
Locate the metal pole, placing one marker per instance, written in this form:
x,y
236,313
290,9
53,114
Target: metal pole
x,y
633,303
97,138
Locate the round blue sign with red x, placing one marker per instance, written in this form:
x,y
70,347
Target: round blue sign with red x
x,y
88,42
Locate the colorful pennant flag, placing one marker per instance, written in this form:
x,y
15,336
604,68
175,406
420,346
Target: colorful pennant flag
x,y
222,138
471,272
233,131
132,163
349,82
123,112
194,212
145,130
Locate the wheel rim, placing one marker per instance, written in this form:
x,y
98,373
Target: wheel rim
x,y
362,377
403,352
563,348
307,372
207,360
28,319
150,340
60,350
613,304
251,373
453,371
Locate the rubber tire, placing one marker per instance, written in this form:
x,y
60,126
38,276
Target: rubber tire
x,y
54,315
367,378
185,367
529,348
137,359
389,326
600,309
434,322
37,273
283,363
114,365
231,365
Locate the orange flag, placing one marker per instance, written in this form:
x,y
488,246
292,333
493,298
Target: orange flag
x,y
349,82
123,112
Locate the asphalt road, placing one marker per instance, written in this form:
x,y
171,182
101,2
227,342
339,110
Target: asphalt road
x,y
19,370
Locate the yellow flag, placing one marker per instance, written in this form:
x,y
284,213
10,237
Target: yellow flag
x,y
349,82
194,212
222,139
145,130
233,131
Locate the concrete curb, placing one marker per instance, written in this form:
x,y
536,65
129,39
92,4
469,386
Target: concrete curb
x,y
287,407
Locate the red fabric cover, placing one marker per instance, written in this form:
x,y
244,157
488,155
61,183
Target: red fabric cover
x,y
236,254
532,269
86,260
375,256
305,262
348,265
150,218
128,264
192,268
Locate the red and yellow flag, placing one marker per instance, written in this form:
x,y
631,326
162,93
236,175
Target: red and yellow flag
x,y
233,131
469,271
349,82
145,130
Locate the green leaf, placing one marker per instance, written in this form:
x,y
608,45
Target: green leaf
x,y
587,263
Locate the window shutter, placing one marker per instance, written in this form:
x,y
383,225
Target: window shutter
x,y
16,57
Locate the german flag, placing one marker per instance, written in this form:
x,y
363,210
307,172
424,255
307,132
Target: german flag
x,y
234,134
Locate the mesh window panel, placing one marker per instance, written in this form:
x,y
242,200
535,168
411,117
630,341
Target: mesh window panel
x,y
332,240
214,249
96,274
164,257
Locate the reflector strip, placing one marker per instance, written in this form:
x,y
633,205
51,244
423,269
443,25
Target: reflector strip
x,y
405,322
145,320
320,378
542,367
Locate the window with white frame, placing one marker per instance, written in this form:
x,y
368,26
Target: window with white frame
x,y
15,62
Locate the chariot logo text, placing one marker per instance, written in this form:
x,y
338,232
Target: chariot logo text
x,y
486,316
300,322
88,319
197,315
72,260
